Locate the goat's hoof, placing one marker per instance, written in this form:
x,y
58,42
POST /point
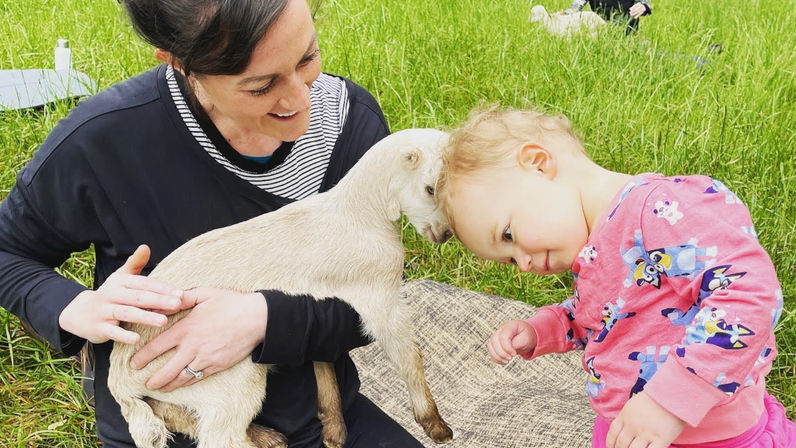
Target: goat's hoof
x,y
334,435
439,431
263,437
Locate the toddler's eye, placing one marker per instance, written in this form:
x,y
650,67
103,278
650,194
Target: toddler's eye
x,y
507,235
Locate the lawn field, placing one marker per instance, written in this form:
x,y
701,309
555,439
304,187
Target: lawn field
x,y
658,101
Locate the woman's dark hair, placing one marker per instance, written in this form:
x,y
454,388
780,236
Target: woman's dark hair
x,y
205,37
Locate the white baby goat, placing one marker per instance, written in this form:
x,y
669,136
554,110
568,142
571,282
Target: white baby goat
x,y
343,243
567,25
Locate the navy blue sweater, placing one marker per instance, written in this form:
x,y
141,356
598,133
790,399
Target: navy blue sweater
x,y
122,170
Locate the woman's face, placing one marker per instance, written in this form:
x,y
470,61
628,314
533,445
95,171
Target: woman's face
x,y
272,96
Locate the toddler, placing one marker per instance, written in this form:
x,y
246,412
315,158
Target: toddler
x,y
674,303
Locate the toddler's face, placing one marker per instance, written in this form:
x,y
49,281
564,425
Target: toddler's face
x,y
515,215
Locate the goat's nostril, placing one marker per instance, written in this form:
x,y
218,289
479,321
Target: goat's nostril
x,y
447,235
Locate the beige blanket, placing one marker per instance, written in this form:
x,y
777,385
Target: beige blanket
x,y
541,403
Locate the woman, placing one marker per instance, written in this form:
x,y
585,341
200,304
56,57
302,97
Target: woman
x,y
616,11
238,121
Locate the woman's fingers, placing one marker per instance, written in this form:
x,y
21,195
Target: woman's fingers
x,y
192,297
125,313
127,286
117,333
161,344
185,378
142,299
173,368
135,263
182,379
140,282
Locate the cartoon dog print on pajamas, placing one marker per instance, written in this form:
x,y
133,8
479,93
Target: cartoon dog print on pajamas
x,y
577,343
625,192
649,365
594,384
719,187
611,315
676,261
709,327
712,279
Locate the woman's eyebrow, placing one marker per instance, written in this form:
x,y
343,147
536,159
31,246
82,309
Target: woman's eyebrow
x,y
313,39
260,78
256,78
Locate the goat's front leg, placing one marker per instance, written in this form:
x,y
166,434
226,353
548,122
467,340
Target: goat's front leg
x,y
394,335
330,408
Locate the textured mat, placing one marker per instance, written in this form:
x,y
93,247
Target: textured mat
x,y
539,403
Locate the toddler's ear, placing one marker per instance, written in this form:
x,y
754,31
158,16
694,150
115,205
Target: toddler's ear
x,y
533,157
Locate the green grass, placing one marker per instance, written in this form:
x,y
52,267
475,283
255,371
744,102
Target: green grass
x,y
641,104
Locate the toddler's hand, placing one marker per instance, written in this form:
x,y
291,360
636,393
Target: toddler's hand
x,y
515,337
643,422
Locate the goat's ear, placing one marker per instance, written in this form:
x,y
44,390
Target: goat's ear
x,y
411,158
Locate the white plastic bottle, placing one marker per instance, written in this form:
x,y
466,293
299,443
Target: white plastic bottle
x,y
63,55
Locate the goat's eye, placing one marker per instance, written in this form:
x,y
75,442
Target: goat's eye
x,y
430,190
507,236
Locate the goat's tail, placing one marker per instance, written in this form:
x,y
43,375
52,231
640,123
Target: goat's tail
x,y
147,430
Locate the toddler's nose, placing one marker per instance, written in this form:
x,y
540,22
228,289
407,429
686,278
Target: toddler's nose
x,y
523,262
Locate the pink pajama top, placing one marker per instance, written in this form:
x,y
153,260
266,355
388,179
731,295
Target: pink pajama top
x,y
674,296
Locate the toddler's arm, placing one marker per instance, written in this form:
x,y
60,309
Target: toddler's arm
x,y
556,330
727,301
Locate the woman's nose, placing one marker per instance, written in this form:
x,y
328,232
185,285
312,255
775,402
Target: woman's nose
x,y
296,95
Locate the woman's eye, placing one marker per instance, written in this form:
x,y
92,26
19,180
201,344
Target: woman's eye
x,y
430,190
311,57
261,91
507,235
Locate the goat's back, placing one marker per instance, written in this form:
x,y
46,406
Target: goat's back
x,y
308,247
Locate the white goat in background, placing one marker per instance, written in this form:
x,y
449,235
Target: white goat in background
x,y
567,25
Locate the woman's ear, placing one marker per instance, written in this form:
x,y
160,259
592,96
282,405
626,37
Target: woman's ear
x,y
533,157
167,58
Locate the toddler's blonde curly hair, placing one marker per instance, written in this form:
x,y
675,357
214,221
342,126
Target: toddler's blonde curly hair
x,y
490,138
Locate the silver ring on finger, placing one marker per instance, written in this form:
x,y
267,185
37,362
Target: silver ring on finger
x,y
195,373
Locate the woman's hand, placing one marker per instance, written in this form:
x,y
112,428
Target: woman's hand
x,y
515,337
125,296
643,423
223,328
637,10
